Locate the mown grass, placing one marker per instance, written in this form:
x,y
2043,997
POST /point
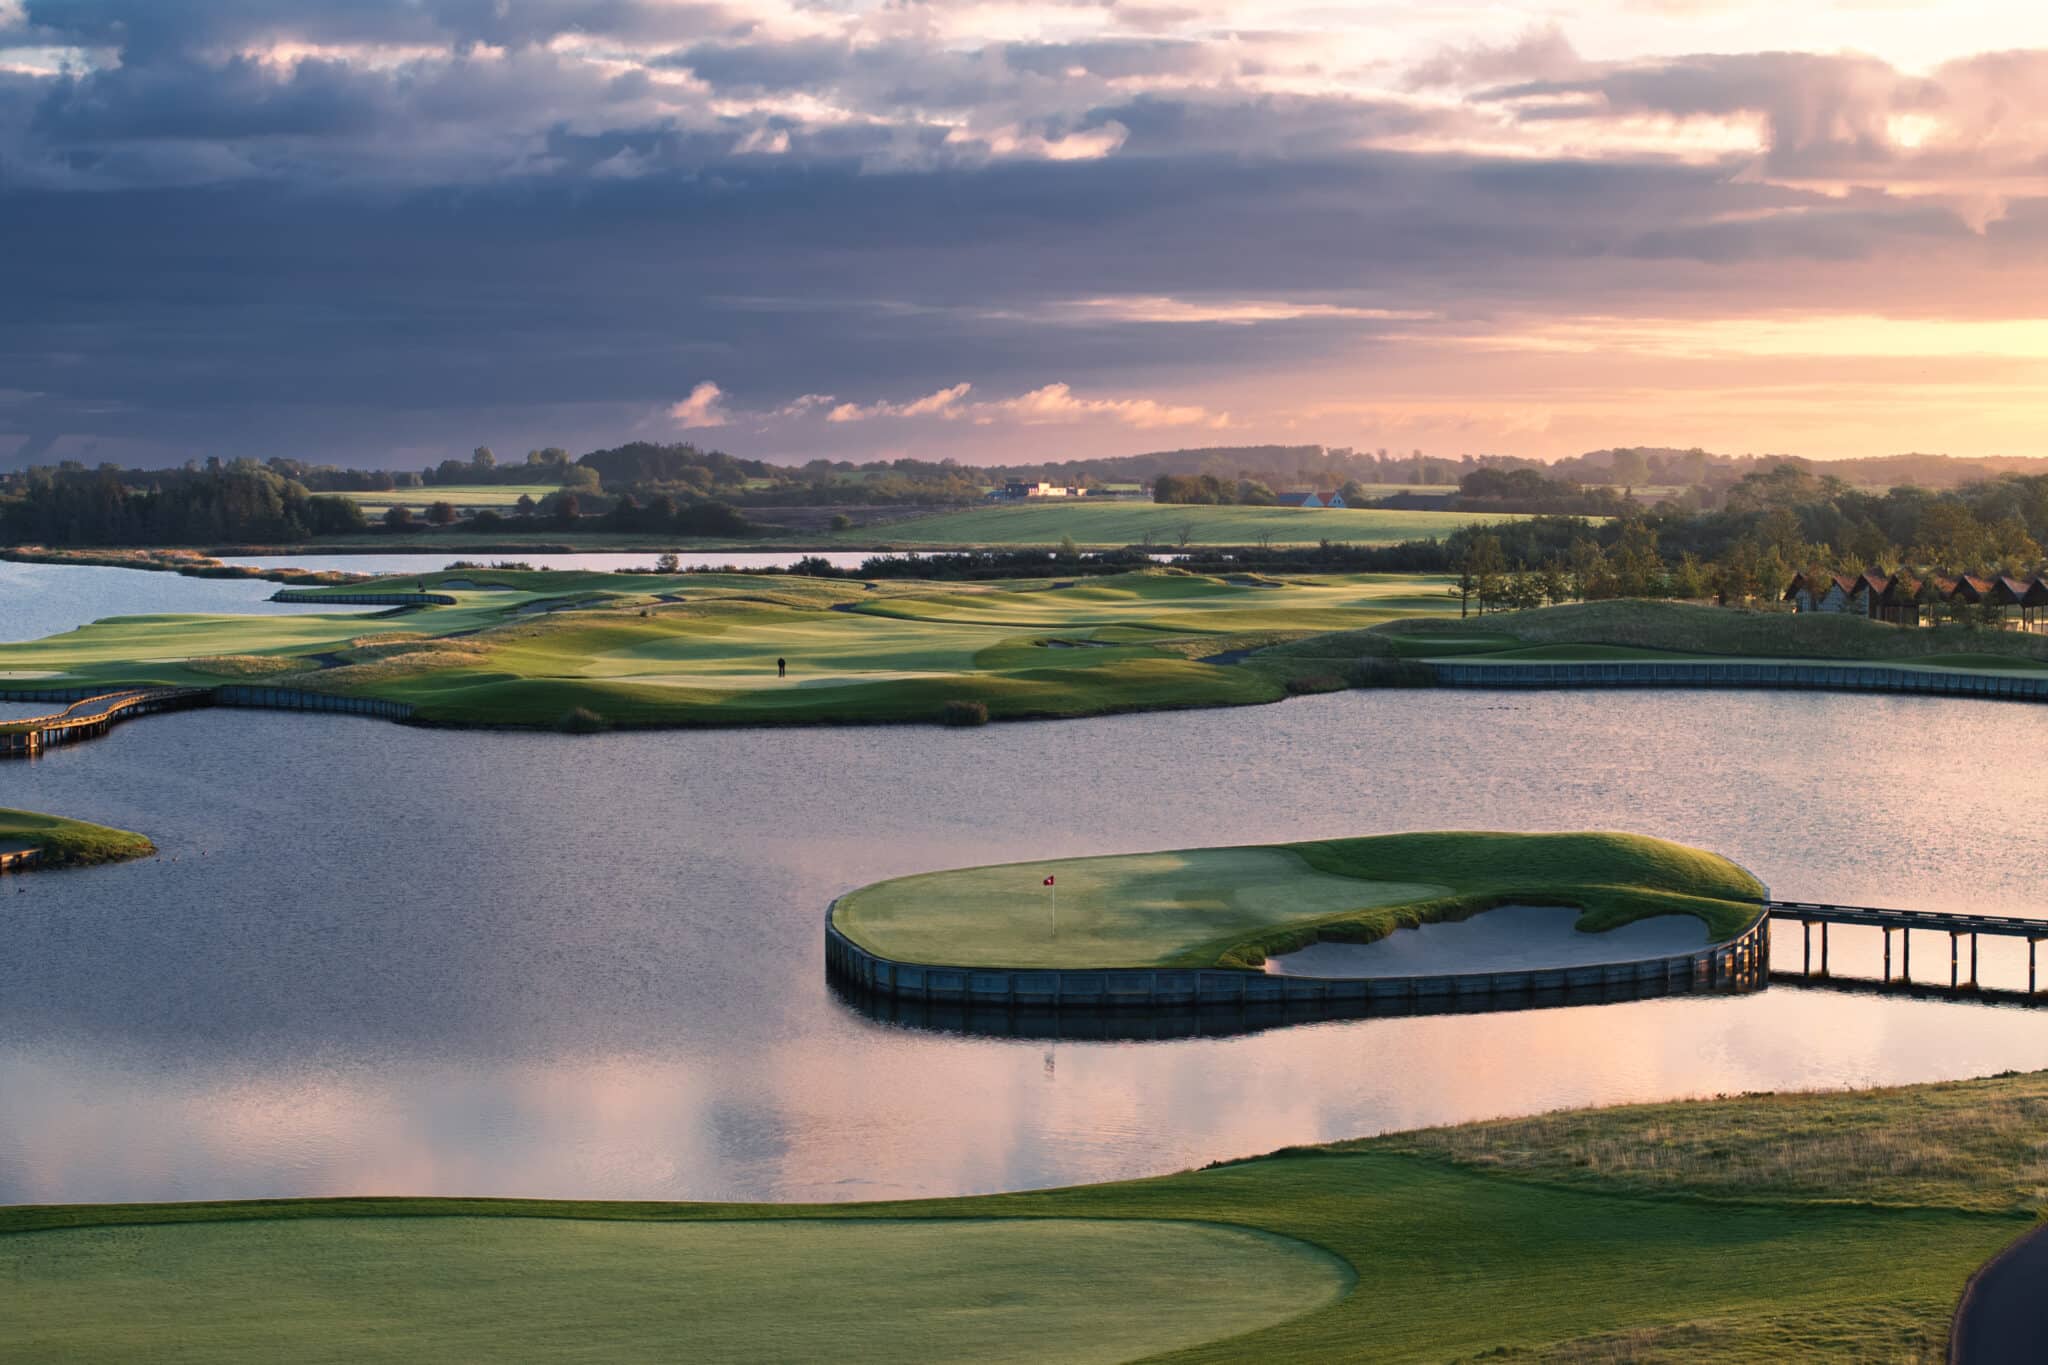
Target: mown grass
x,y
1494,1241
1116,524
1234,907
69,843
778,1289
525,648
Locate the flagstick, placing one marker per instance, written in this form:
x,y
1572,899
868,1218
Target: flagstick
x,y
1054,888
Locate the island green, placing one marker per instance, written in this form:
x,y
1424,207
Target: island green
x,y
1234,907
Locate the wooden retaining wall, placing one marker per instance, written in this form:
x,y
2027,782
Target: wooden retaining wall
x,y
20,858
1742,962
1794,676
364,599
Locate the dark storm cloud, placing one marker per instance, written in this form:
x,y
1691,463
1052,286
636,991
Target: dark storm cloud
x,y
212,244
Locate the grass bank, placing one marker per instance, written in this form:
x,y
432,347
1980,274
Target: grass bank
x,y
1529,1240
1234,907
527,648
1638,629
69,843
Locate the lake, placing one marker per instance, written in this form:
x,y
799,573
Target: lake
x,y
44,599
382,960
591,561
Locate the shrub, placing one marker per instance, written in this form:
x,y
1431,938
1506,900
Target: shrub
x,y
581,720
963,713
1392,673
1307,684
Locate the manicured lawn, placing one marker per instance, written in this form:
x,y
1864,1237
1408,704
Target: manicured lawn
x,y
1114,524
700,649
768,1290
1756,1229
1236,906
69,842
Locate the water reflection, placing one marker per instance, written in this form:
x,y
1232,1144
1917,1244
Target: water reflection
x,y
378,959
44,599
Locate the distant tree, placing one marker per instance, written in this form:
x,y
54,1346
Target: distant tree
x,y
567,509
398,516
668,562
482,458
525,506
841,522
441,513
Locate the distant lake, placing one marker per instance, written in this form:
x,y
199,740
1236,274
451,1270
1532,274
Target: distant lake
x,y
375,959
44,599
602,563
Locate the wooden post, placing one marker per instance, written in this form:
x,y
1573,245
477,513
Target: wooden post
x,y
1823,947
1806,927
1887,952
1973,959
1906,953
1954,958
2032,944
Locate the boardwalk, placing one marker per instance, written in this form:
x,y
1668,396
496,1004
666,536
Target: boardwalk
x,y
1820,677
1809,914
93,716
89,716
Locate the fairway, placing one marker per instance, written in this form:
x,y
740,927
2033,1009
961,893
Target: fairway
x,y
501,496
525,647
530,1289
1237,906
1113,524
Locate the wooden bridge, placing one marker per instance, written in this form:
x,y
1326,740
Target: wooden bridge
x,y
94,713
1904,922
94,716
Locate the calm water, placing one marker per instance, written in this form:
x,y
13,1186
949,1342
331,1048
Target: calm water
x,y
43,599
434,563
383,960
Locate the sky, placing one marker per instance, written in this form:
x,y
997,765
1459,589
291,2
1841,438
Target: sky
x,y
381,232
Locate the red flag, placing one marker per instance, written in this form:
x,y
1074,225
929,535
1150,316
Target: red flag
x,y
1048,881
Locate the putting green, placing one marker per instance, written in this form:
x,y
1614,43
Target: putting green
x,y
355,1289
1235,906
1132,911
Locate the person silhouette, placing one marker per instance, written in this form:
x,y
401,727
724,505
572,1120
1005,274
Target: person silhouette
x,y
781,667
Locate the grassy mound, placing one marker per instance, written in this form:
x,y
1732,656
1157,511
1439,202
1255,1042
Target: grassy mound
x,y
1755,1229
69,843
1234,907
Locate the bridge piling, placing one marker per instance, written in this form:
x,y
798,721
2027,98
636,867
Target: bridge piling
x,y
1906,954
1954,958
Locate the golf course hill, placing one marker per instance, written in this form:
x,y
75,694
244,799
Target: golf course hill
x,y
1235,907
58,842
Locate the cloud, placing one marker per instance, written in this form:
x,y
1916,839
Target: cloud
x,y
703,408
939,404
1057,403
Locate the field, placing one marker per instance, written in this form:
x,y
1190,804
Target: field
x,y
529,648
1763,1228
1233,907
1673,630
68,842
524,648
1114,524
501,496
